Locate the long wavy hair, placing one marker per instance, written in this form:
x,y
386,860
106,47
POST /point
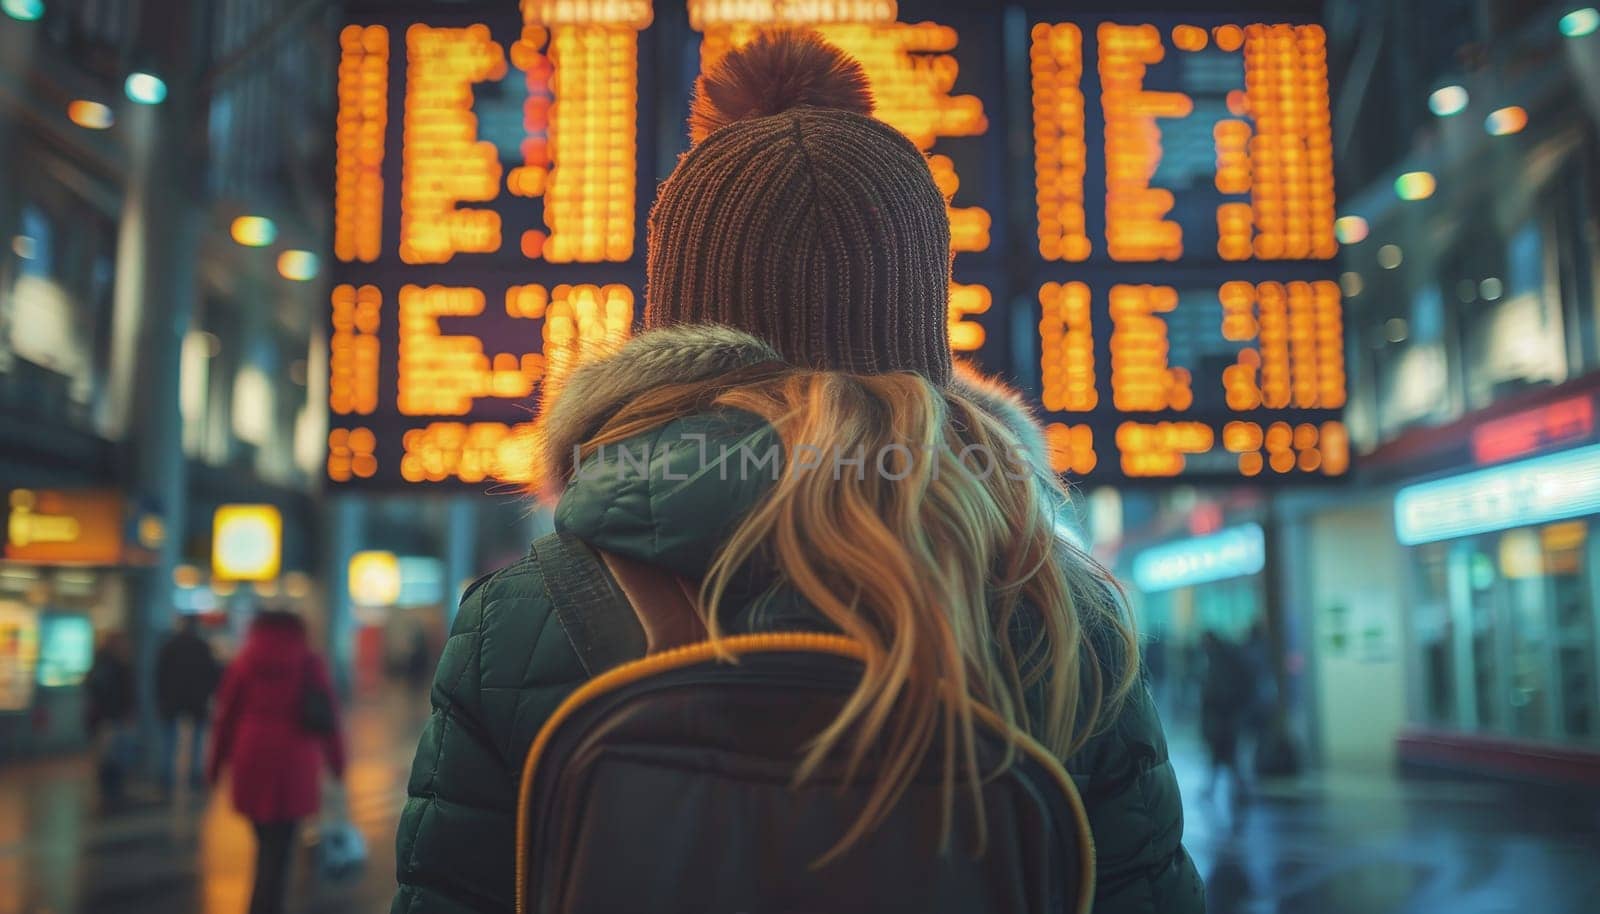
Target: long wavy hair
x,y
953,578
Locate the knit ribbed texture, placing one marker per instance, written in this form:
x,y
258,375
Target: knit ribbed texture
x,y
818,230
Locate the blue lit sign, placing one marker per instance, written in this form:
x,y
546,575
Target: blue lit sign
x,y
1520,494
1231,553
66,650
421,581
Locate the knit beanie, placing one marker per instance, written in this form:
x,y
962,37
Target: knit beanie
x,y
797,217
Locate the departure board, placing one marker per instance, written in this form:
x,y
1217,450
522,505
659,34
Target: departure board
x,y
1158,277
1189,322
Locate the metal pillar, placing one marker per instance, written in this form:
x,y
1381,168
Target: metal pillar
x,y
345,515
158,243
460,548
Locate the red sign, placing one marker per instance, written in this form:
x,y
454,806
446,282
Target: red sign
x,y
1562,422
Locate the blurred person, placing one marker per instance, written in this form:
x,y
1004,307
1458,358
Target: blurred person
x,y
1227,702
187,672
798,284
109,714
276,725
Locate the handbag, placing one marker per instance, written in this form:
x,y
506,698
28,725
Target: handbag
x,y
341,848
316,705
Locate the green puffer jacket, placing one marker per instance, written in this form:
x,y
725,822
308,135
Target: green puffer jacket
x,y
508,662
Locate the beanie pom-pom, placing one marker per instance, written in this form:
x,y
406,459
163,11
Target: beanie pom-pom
x,y
778,70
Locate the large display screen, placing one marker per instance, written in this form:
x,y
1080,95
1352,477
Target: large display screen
x,y
1159,281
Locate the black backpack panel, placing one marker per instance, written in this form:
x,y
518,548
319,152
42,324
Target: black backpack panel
x,y
666,785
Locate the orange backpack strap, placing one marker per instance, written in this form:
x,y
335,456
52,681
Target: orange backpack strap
x,y
663,601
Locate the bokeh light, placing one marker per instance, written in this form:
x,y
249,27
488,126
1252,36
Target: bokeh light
x,y
1580,22
1505,121
23,10
1415,185
145,88
1447,101
1350,229
254,231
300,266
90,115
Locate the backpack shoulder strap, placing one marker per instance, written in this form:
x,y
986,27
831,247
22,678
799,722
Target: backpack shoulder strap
x,y
662,601
593,611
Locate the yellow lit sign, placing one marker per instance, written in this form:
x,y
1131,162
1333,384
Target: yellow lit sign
x,y
246,542
1136,223
353,350
486,235
1059,154
1067,348
1276,151
445,162
358,143
965,335
590,48
1169,388
1141,379
374,578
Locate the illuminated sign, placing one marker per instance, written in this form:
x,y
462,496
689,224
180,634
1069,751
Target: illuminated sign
x,y
1184,183
246,542
47,527
1179,251
1538,491
421,581
504,155
66,650
19,655
374,578
1563,422
1234,552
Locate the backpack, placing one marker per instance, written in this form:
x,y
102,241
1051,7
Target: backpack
x,y
665,783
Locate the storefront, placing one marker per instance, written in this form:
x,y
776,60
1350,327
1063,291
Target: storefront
x,y
60,582
1503,631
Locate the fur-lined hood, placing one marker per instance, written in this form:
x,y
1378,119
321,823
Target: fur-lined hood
x,y
598,388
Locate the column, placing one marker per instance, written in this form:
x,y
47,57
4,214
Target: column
x,y
345,516
157,245
460,551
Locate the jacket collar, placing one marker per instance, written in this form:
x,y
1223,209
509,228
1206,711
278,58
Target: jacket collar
x,y
602,385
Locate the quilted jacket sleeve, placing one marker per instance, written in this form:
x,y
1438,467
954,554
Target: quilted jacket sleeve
x,y
1136,816
505,667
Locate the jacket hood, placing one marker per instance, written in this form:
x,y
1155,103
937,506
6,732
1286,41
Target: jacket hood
x,y
672,496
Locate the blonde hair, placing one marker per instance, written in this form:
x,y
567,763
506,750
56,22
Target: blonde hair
x,y
929,565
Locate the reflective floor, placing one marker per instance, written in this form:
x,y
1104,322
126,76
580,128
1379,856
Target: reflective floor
x,y
1338,844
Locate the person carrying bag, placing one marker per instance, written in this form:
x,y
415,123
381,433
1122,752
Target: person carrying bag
x,y
276,728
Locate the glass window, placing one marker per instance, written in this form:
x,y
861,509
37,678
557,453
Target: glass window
x,y
1565,547
1527,634
56,272
1577,248
1479,612
1432,633
1512,332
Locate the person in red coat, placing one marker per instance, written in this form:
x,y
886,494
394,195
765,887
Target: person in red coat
x,y
266,731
